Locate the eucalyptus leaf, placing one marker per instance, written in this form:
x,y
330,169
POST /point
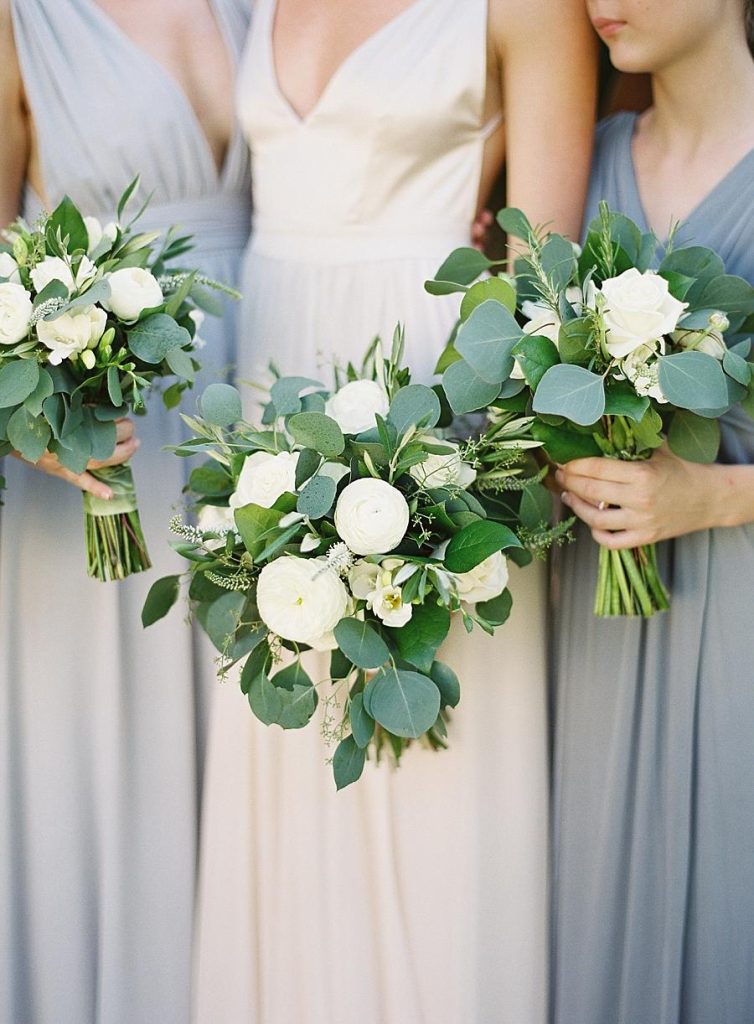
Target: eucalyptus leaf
x,y
265,700
362,723
403,702
220,405
181,363
621,400
18,380
220,619
694,438
28,434
447,683
693,380
307,465
419,639
487,339
44,390
535,355
361,644
414,406
463,266
317,431
572,392
494,288
317,497
466,391
285,393
348,762
514,222
497,610
737,367
153,337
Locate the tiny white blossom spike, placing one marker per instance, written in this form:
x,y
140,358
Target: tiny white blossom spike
x,y
339,558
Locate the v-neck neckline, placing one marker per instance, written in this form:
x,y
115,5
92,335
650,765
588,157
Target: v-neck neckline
x,y
219,173
700,205
304,119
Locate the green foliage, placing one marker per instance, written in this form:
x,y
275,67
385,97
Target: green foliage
x,y
403,702
487,339
422,635
348,762
573,392
221,405
476,542
694,438
361,644
317,431
161,597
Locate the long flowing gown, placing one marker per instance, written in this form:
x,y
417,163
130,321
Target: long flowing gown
x,y
654,774
102,723
417,895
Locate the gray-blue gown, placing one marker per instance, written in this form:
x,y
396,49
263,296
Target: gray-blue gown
x,y
100,721
654,736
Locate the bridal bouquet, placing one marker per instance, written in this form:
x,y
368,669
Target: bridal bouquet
x,y
349,523
90,319
618,353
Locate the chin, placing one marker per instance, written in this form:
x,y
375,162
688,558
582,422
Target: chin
x,y
630,58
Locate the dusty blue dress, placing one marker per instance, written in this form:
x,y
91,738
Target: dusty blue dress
x,y
101,723
654,736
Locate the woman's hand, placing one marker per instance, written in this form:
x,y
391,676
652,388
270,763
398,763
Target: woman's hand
x,y
629,504
126,445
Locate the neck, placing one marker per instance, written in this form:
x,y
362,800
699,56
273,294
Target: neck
x,y
705,96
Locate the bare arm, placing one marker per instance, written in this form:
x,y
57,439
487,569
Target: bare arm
x,y
14,152
547,55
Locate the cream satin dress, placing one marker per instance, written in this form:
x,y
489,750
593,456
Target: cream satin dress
x,y
417,896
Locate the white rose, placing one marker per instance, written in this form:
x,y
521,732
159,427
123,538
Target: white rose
x,y
53,268
638,310
363,579
302,600
541,320
71,333
15,313
9,268
485,581
355,406
132,290
710,342
387,604
264,478
371,516
444,470
96,232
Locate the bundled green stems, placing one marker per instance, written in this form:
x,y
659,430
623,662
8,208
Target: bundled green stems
x,y
115,545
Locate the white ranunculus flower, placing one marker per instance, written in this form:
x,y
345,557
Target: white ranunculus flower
x,y
72,333
710,342
642,370
444,470
15,313
387,604
363,579
9,268
371,516
355,406
638,309
300,599
264,478
132,290
53,268
485,581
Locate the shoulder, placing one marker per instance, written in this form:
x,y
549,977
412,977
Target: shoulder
x,y
612,132
8,60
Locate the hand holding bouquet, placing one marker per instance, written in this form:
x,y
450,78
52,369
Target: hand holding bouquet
x,y
349,524
90,319
619,352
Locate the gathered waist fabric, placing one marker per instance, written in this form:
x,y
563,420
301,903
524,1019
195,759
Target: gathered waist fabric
x,y
357,243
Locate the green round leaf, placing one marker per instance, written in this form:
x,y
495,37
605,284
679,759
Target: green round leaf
x,y
298,696
361,644
487,339
17,381
317,497
514,222
694,438
414,406
497,610
535,355
220,619
265,700
220,405
693,380
466,391
476,542
447,683
317,431
29,434
463,266
495,288
405,703
152,338
285,393
573,392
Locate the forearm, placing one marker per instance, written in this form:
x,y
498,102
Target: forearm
x,y
732,495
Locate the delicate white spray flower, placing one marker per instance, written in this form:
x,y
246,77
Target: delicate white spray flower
x,y
371,516
264,478
642,370
387,604
301,599
355,406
